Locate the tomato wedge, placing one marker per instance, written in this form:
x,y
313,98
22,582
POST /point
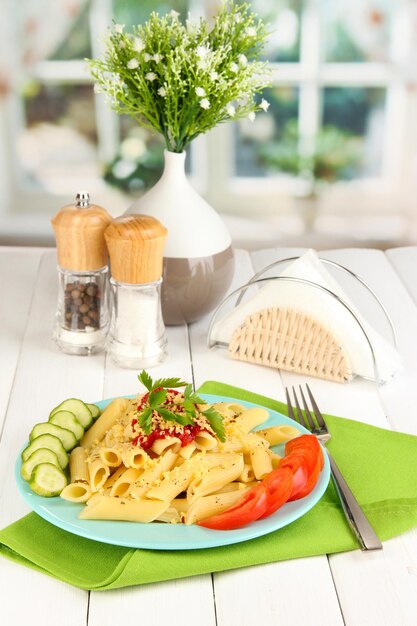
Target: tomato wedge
x,y
295,477
249,508
295,462
306,445
279,484
310,484
305,450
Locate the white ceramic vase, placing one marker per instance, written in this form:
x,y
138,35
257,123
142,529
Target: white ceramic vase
x,y
198,256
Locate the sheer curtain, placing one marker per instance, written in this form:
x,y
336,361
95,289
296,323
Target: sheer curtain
x,y
30,31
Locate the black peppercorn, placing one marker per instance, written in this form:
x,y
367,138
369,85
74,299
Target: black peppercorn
x,y
82,304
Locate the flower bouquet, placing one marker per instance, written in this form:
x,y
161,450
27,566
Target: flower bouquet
x,y
181,80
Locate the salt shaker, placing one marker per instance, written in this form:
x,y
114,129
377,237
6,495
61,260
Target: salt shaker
x,y
82,316
137,332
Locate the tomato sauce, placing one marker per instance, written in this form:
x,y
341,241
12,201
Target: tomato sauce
x,y
188,435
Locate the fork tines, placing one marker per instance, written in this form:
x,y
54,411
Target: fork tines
x,y
308,418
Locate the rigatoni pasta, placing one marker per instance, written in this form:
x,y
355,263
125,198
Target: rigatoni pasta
x,y
178,461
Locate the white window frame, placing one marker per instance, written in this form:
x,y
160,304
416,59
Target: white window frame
x,y
392,190
213,154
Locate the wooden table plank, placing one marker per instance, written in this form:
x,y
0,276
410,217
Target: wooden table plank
x,y
145,601
374,588
18,271
178,602
257,586
43,377
404,261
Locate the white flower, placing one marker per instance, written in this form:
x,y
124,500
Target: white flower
x,y
251,31
150,76
230,109
202,51
118,28
264,105
132,64
162,92
201,64
214,75
242,60
200,92
138,44
157,57
122,44
190,25
147,57
174,14
251,116
205,103
97,88
238,18
234,68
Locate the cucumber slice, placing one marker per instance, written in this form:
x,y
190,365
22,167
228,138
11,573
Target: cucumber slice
x,y
67,437
78,408
42,455
47,480
67,420
95,411
51,443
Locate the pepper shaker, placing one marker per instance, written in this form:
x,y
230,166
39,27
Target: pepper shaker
x,y
137,332
82,316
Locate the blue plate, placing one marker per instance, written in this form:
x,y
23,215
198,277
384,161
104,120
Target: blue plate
x,y
160,536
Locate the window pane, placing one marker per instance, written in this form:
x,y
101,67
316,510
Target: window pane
x,y
139,161
75,43
283,22
356,31
256,141
358,113
58,147
133,12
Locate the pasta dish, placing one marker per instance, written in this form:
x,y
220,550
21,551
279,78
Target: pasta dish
x,y
168,456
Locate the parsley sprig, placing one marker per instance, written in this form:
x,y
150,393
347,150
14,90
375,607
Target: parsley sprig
x,y
158,390
165,383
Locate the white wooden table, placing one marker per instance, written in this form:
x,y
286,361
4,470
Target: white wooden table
x,y
353,588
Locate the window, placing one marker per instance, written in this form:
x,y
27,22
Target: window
x,y
343,80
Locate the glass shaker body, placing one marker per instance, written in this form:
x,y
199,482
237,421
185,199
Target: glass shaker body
x,y
82,317
137,332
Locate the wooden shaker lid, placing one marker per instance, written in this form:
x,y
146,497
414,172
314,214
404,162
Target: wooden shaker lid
x,y
79,233
136,246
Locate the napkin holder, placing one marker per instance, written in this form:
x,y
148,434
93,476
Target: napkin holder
x,y
291,339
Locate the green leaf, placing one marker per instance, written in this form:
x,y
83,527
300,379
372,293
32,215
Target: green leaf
x,y
168,415
185,420
168,383
174,417
156,398
190,397
216,422
145,420
146,380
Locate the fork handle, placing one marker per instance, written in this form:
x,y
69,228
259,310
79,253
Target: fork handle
x,y
365,534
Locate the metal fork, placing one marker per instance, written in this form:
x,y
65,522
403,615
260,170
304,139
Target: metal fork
x,y
359,524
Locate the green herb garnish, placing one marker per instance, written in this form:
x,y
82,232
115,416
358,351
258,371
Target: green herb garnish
x,y
157,395
165,383
216,422
145,420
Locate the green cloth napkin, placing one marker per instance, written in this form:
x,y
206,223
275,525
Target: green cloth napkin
x,y
379,465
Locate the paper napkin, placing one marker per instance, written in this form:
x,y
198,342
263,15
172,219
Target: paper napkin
x,y
324,309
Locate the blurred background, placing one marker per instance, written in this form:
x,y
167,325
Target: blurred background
x,y
332,164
